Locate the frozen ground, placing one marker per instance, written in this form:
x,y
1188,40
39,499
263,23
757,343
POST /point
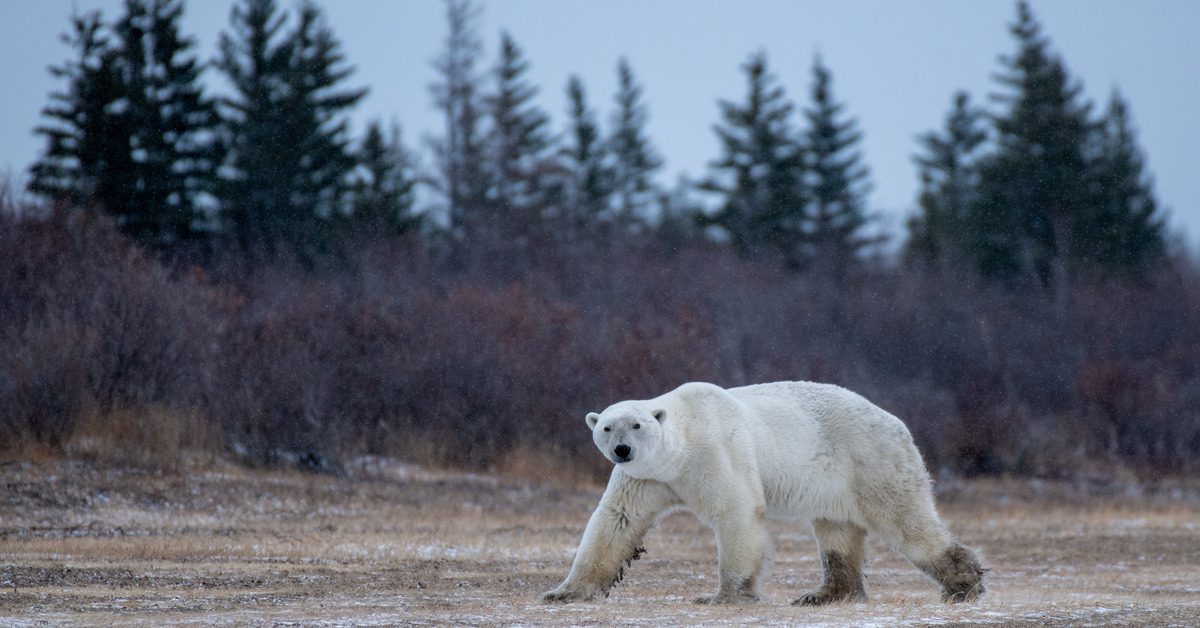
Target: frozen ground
x,y
389,544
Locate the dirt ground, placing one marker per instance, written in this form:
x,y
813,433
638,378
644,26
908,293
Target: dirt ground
x,y
389,544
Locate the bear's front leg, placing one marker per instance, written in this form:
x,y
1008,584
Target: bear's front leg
x,y
613,538
742,546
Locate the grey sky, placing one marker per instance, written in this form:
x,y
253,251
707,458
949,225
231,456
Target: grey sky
x,y
895,64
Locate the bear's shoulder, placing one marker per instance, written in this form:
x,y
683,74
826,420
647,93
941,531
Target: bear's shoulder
x,y
697,397
696,389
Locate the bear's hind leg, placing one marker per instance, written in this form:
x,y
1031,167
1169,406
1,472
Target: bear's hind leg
x,y
928,545
841,546
914,528
959,572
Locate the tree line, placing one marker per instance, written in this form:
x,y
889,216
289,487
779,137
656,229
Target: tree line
x,y
242,272
1038,189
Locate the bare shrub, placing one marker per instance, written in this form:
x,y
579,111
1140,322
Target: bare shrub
x,y
88,320
448,360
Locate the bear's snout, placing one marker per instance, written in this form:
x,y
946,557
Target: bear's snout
x,y
622,452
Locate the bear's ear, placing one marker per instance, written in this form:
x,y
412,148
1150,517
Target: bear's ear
x,y
659,415
592,418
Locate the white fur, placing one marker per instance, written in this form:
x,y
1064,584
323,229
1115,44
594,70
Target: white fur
x,y
787,450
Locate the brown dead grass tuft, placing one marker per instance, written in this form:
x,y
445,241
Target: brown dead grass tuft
x,y
146,436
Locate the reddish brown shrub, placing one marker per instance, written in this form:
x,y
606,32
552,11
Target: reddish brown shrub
x,y
88,321
400,350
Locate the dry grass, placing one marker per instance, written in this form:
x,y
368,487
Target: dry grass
x,y
146,436
391,544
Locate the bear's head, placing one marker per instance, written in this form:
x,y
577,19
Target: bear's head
x,y
629,435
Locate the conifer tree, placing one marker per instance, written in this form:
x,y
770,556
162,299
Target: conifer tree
x,y
518,141
1033,187
289,146
1122,230
835,181
759,174
173,125
590,186
949,172
316,104
681,215
83,162
518,127
634,159
460,153
134,134
256,197
383,187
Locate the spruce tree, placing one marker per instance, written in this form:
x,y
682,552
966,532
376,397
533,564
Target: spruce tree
x,y
84,162
518,142
134,133
1033,188
173,126
256,195
1122,231
634,159
681,215
590,186
460,153
289,147
835,182
383,193
758,176
316,105
949,172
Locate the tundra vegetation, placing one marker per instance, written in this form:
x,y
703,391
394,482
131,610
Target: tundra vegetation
x,y
237,273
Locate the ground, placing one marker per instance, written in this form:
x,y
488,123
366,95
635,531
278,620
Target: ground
x,y
384,543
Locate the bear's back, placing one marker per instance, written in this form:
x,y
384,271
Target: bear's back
x,y
790,415
824,402
825,412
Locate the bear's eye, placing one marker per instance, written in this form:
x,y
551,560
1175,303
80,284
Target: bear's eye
x,y
637,426
608,429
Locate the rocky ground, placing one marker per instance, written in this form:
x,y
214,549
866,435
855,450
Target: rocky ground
x,y
384,543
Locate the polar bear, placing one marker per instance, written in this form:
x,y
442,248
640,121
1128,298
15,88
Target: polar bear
x,y
787,450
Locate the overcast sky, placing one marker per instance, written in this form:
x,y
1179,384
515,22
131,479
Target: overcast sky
x,y
895,63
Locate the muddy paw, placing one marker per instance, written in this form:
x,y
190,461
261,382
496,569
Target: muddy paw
x,y
821,597
564,596
968,593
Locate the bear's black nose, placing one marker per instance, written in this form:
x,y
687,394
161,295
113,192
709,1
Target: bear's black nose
x,y
622,451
